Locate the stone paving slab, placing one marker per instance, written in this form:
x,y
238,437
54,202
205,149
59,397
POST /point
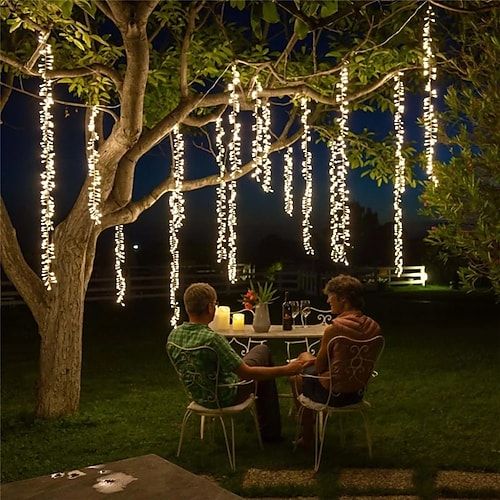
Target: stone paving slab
x,y
149,477
468,481
370,479
264,478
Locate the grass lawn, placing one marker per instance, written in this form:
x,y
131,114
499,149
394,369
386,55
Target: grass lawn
x,y
435,401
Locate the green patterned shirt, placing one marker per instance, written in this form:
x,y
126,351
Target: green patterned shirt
x,y
198,369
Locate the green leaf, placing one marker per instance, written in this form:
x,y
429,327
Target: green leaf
x,y
329,7
270,12
237,4
78,44
14,24
300,28
255,22
66,8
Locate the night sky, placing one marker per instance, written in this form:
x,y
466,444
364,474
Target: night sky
x,y
259,214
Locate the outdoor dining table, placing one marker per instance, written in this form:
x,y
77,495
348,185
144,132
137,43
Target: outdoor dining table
x,y
309,335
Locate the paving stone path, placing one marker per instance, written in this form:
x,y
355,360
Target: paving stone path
x,y
397,484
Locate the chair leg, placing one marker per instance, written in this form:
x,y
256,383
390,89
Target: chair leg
x,y
368,434
257,428
322,441
202,426
233,448
181,437
227,443
300,411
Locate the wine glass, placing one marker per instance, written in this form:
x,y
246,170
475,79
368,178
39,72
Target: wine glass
x,y
295,305
305,310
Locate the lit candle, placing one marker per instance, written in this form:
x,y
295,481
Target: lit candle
x,y
238,322
221,319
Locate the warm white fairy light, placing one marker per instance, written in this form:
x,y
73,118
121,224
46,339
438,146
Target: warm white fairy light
x,y
261,145
46,63
307,175
399,178
176,204
339,166
221,205
430,72
120,283
288,181
234,161
94,174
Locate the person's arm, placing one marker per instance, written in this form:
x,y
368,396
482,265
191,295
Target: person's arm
x,y
247,372
322,358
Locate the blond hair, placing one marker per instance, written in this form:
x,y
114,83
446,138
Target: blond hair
x,y
197,296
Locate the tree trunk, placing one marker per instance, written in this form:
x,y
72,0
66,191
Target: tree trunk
x,y
61,337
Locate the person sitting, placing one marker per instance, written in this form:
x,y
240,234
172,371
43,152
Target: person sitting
x,y
200,300
345,297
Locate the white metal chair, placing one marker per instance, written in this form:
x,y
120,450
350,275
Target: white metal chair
x,y
351,365
188,366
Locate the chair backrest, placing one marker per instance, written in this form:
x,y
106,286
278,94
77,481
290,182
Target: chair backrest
x,y
191,364
352,362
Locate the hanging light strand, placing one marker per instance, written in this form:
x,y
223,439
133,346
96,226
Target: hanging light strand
x,y
176,205
307,176
120,284
46,63
93,171
234,161
430,73
339,166
399,178
288,181
221,204
261,145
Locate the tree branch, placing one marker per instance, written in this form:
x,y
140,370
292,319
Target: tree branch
x,y
27,283
186,41
200,121
452,7
6,90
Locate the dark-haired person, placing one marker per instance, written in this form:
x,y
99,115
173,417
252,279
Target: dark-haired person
x,y
200,300
345,297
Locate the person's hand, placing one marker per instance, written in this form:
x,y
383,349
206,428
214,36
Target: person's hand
x,y
294,367
306,357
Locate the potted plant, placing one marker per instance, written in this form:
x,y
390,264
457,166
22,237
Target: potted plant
x,y
257,300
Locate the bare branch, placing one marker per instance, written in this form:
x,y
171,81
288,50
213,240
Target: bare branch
x,y
200,121
27,283
452,7
186,41
6,90
103,7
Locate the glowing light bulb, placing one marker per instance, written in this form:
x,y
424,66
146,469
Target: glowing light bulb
x,y
339,166
94,175
176,205
120,284
399,178
430,73
46,63
307,175
288,181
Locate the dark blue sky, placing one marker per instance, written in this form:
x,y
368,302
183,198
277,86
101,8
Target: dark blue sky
x,y
257,211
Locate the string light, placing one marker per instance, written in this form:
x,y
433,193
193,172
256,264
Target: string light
x,y
176,204
46,63
94,175
261,145
120,283
234,161
307,175
221,206
430,73
339,165
288,181
399,178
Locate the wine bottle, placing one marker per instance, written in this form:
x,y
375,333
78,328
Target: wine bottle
x,y
287,314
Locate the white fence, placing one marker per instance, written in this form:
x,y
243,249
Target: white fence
x,y
412,275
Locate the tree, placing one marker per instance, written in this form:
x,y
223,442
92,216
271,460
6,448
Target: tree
x,y
137,54
467,199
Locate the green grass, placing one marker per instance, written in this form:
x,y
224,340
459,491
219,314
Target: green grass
x,y
435,400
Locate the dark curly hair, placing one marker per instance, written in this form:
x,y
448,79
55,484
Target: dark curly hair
x,y
346,287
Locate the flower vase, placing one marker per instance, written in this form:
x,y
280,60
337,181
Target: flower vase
x,y
261,321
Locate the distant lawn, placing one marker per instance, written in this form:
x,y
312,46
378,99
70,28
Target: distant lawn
x,y
435,401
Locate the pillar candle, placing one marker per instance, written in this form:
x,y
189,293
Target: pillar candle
x,y
238,322
221,319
